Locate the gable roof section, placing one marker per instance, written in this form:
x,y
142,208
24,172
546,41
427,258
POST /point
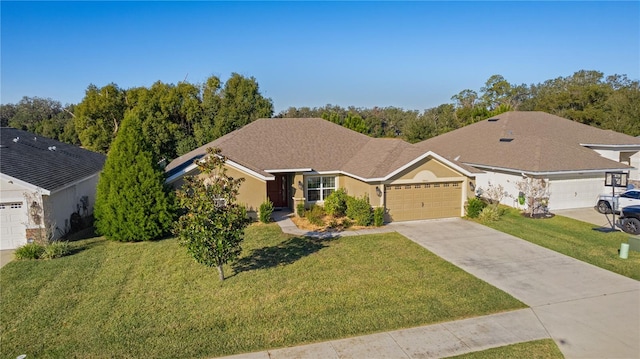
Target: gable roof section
x,y
532,142
272,145
33,160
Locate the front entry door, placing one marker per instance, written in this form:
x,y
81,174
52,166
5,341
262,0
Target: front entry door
x,y
277,191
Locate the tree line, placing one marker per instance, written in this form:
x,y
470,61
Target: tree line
x,y
588,97
177,118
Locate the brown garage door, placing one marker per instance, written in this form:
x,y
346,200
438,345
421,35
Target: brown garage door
x,y
423,201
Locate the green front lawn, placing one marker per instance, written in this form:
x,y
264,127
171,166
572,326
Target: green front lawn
x,y
537,349
151,300
573,238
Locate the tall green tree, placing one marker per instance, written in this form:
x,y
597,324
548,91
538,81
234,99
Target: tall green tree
x,y
132,201
42,116
99,115
213,224
240,103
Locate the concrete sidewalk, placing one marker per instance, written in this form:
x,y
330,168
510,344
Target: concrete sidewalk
x,y
431,341
588,311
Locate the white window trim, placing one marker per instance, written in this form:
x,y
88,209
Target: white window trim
x,y
321,188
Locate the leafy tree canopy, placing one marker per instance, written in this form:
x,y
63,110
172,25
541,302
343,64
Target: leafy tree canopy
x,y
213,223
132,202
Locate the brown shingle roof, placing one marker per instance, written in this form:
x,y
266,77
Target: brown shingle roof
x,y
309,143
532,142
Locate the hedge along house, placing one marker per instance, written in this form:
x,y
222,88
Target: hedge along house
x,y
43,183
572,157
291,161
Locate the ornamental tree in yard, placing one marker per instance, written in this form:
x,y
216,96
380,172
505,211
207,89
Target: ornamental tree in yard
x,y
213,223
132,201
536,193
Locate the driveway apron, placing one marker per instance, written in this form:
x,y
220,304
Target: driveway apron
x,y
590,312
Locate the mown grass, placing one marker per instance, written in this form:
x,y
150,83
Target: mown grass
x,y
574,238
114,300
537,349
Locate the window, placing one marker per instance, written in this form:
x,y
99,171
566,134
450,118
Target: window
x,y
12,205
319,188
629,194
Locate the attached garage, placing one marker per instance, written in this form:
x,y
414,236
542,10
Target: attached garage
x,y
416,201
576,192
13,217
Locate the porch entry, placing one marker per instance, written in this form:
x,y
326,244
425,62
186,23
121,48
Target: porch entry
x,y
277,190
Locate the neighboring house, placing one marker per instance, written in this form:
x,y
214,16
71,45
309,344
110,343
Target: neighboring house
x,y
291,161
572,156
42,183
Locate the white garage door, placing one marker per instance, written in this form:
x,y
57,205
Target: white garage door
x,y
575,193
12,225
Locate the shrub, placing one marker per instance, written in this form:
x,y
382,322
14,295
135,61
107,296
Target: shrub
x,y
300,209
489,214
336,204
266,209
346,223
132,201
378,216
315,215
359,210
29,251
474,207
56,250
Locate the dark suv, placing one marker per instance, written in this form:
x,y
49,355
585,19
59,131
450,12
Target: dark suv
x,y
630,219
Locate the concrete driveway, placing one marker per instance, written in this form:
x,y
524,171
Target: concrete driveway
x,y
589,215
589,312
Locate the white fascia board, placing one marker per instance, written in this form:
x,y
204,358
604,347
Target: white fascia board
x,y
74,183
229,162
433,155
322,173
548,173
289,170
25,184
181,173
248,171
387,177
612,147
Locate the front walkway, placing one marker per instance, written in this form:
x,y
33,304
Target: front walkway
x,y
588,311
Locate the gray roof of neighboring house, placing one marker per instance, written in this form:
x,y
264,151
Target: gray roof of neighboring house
x,y
309,143
531,142
33,159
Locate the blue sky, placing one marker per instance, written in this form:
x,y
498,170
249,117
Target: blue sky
x,y
413,55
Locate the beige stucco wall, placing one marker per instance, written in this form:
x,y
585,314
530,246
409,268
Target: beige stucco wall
x,y
253,191
357,188
428,170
